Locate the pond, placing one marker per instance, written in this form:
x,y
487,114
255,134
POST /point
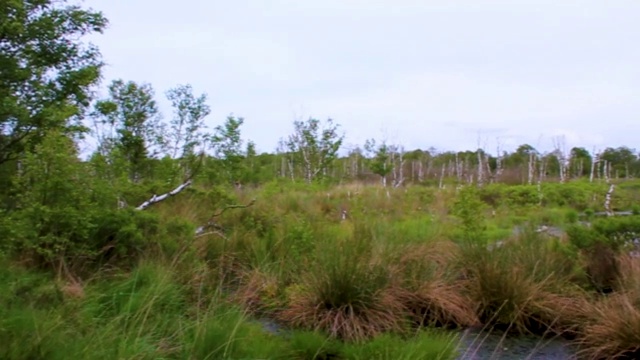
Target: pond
x,y
475,344
479,345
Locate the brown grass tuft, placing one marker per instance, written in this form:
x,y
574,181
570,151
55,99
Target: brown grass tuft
x,y
602,266
614,327
428,288
439,303
348,321
73,290
257,291
615,330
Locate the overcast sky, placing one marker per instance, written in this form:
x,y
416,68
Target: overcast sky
x,y
418,72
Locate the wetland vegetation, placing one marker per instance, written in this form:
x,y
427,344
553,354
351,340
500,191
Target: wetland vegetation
x,y
307,252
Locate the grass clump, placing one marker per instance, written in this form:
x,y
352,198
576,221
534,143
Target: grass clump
x,y
523,286
613,329
428,288
346,292
424,345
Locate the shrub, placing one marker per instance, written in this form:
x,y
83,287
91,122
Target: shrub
x,y
468,208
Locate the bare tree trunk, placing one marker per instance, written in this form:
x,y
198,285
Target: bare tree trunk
x,y
441,185
540,176
532,159
458,170
607,200
398,178
480,169
626,170
291,169
595,159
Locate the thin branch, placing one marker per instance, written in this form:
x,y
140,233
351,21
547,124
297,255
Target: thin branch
x,y
233,207
200,231
215,232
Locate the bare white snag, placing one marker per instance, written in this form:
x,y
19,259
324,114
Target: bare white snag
x,y
564,158
540,176
595,160
607,200
458,168
480,168
155,199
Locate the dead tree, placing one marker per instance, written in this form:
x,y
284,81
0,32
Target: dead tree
x,y
595,160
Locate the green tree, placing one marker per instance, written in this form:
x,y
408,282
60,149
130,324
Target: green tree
x,y
379,163
186,128
580,164
315,146
227,145
622,160
128,121
46,72
52,214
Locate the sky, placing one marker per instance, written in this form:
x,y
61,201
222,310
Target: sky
x,y
452,75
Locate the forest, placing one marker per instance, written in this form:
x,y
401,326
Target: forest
x,y
127,233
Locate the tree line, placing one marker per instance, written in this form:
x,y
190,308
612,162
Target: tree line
x,y
47,88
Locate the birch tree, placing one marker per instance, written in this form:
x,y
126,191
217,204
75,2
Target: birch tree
x,y
131,115
315,146
380,159
186,127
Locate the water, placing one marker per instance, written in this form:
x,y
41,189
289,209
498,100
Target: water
x,y
480,345
477,345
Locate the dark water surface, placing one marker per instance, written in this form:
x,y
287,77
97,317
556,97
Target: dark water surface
x,y
478,345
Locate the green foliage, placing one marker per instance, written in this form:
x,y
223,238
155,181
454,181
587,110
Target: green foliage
x,y
128,121
46,72
571,216
313,345
64,214
227,145
54,208
469,209
301,238
315,147
510,196
613,232
379,164
187,125
425,345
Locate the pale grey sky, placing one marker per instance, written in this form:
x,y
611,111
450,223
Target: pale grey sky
x,y
422,73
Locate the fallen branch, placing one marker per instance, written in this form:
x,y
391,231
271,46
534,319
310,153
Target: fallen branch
x,y
202,230
155,199
215,232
